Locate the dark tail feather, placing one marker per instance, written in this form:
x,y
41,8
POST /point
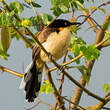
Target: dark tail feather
x,y
33,82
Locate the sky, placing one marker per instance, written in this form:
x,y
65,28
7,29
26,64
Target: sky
x,y
12,98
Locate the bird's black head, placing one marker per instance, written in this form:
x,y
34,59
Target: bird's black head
x,y
62,23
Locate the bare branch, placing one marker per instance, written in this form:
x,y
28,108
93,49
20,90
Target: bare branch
x,y
81,108
62,79
4,69
22,37
105,45
56,94
34,106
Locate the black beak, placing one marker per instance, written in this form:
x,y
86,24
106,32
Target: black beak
x,y
75,23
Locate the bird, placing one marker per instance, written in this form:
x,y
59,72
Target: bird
x,y
55,39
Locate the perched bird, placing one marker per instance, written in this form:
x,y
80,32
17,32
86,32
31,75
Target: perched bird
x,y
55,39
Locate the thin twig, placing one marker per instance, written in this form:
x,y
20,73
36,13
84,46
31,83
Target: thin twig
x,y
56,94
81,108
34,10
62,79
22,37
50,106
34,105
40,101
92,19
105,3
4,69
62,75
105,45
70,61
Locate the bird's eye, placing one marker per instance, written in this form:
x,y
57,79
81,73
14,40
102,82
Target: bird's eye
x,y
65,23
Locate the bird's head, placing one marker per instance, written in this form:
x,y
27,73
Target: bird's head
x,y
58,23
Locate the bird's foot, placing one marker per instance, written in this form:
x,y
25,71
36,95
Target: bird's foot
x,y
50,56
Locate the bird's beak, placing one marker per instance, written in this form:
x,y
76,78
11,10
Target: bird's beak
x,y
75,23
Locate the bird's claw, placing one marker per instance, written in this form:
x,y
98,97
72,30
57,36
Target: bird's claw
x,y
50,56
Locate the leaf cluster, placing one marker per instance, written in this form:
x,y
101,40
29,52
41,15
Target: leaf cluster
x,y
46,87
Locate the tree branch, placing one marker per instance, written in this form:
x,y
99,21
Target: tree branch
x,y
56,94
4,69
105,45
101,33
62,79
98,42
22,37
80,108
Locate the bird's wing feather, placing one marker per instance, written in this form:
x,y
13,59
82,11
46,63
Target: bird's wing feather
x,y
42,38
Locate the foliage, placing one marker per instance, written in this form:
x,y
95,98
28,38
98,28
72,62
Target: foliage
x,y
90,52
106,87
16,7
46,87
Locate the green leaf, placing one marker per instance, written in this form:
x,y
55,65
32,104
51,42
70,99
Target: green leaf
x,y
46,87
27,6
4,19
16,6
76,50
107,34
60,6
103,10
106,25
64,9
46,18
29,1
26,22
36,5
81,1
80,5
14,34
42,89
75,45
106,87
90,0
57,12
86,77
90,52
74,4
70,57
12,13
76,40
92,8
5,38
36,22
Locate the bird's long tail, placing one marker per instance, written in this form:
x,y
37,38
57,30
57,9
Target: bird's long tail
x,y
31,82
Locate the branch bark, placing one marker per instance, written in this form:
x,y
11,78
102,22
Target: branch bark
x,y
56,94
4,69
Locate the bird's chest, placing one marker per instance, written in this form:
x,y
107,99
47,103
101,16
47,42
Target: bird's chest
x,y
56,44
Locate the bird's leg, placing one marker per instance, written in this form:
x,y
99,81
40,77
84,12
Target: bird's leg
x,y
50,56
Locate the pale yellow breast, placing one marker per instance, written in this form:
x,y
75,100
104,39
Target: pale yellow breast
x,y
56,44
